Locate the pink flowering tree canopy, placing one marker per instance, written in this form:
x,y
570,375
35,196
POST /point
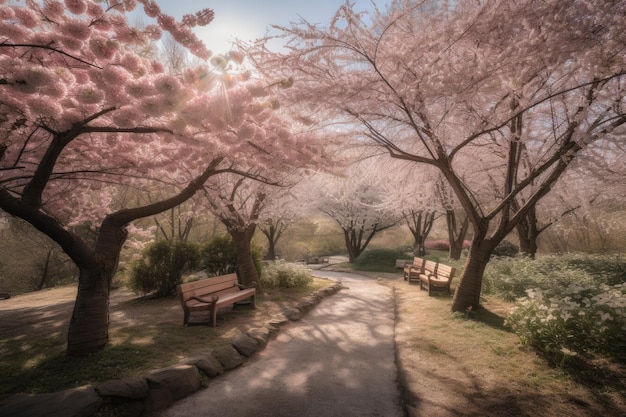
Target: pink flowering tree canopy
x,y
84,114
511,91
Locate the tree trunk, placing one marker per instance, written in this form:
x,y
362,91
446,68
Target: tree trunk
x,y
246,269
456,236
272,232
89,327
467,293
420,222
357,239
271,251
527,233
46,270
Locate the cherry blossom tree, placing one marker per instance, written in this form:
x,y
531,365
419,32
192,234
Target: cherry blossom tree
x,y
409,193
282,210
430,81
354,201
238,202
81,113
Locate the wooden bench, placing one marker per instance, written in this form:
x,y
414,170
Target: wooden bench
x,y
412,270
436,277
401,263
212,294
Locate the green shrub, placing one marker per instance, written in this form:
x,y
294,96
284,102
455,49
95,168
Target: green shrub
x,y
509,278
162,266
379,259
281,274
218,256
506,249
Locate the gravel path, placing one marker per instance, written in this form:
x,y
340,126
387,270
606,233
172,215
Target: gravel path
x,y
336,361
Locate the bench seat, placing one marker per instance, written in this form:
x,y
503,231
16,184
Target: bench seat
x,y
212,294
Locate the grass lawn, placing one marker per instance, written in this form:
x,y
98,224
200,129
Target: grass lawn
x,y
144,335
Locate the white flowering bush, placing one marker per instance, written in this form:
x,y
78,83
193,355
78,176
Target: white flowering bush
x,y
509,278
565,322
280,274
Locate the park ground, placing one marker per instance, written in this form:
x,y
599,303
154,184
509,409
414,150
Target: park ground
x,y
450,365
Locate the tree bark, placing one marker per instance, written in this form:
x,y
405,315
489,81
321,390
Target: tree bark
x,y
246,269
467,294
420,222
527,233
89,326
456,236
354,240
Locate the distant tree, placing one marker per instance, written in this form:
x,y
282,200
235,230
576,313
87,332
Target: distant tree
x,y
355,203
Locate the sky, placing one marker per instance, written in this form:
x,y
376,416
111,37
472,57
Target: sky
x,y
251,19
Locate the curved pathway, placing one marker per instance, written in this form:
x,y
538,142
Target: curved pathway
x,y
336,361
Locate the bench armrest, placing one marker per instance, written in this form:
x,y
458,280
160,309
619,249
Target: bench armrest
x,y
210,299
245,287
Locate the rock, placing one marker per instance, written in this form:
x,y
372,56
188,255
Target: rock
x,y
228,357
305,306
171,384
261,335
125,409
76,402
293,314
279,320
272,327
208,364
245,344
136,389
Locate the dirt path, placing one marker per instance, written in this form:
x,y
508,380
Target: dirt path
x,y
336,361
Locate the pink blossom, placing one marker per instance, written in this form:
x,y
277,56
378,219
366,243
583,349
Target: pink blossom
x,y
157,67
94,10
189,20
127,117
44,106
13,31
55,90
6,13
53,10
116,75
257,89
103,48
168,85
36,76
72,43
151,8
152,106
76,28
168,23
204,17
236,56
27,17
139,89
76,6
130,5
246,131
153,32
89,95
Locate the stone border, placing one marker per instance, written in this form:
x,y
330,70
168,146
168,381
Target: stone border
x,y
160,388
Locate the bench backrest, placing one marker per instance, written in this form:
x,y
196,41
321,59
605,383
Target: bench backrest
x,y
445,271
401,263
222,284
418,262
430,267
